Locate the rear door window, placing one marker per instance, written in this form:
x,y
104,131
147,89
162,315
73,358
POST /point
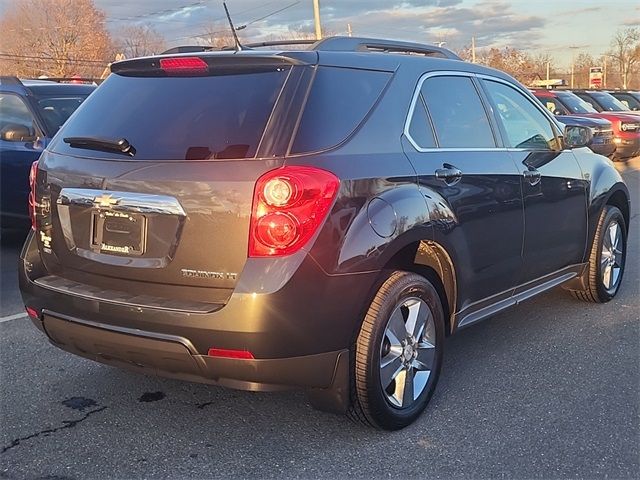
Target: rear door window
x,y
179,118
459,118
339,100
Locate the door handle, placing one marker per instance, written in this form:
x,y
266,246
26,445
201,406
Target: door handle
x,y
449,174
532,175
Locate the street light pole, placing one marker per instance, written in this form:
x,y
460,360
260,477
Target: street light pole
x,y
316,19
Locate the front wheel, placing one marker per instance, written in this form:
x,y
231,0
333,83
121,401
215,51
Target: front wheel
x,y
398,352
607,259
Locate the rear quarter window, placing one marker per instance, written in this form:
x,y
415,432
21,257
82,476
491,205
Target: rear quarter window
x,y
339,100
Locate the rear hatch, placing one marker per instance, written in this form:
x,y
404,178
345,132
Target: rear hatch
x,y
149,185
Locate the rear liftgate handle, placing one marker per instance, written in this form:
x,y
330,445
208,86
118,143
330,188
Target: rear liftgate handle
x,y
449,174
532,175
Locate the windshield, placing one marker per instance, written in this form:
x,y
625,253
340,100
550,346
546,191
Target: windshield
x,y
574,103
179,118
609,102
55,110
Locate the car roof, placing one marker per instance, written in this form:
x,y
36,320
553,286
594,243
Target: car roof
x,y
39,87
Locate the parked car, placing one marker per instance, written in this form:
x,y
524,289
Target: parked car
x,y
602,101
318,219
31,112
626,127
628,98
602,141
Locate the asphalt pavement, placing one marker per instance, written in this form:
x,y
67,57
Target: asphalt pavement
x,y
549,389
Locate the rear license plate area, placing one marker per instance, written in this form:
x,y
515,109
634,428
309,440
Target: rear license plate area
x,y
118,233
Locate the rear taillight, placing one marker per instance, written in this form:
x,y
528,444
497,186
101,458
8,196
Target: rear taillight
x,y
32,193
32,312
184,66
289,204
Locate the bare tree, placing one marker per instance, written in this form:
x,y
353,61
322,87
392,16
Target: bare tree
x,y
217,35
56,38
625,51
515,62
139,41
581,65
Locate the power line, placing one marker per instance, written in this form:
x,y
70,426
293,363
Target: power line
x,y
242,27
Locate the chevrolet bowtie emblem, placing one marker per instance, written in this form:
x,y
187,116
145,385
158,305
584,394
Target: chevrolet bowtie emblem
x,y
105,201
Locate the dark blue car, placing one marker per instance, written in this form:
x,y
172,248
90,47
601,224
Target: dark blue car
x,y
31,112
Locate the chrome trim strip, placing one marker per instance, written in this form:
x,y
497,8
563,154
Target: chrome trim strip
x,y
206,307
132,202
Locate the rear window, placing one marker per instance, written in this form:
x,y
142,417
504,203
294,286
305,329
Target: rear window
x,y
179,118
56,110
339,100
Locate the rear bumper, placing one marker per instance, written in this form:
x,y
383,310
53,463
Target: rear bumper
x,y
299,335
176,357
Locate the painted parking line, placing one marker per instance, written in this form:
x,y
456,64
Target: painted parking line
x,y
15,316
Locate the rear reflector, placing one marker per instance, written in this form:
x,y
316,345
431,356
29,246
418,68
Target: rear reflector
x,y
33,313
220,352
183,65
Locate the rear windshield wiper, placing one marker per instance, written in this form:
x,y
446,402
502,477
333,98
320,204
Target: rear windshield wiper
x,y
103,144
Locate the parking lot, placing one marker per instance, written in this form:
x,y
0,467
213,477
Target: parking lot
x,y
548,389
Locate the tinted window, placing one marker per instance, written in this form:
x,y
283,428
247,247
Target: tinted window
x,y
14,112
420,126
590,102
179,118
574,103
608,102
525,126
553,105
339,100
459,119
57,110
628,100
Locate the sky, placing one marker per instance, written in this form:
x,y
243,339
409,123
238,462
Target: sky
x,y
537,26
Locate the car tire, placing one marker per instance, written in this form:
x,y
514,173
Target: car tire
x,y
388,368
605,269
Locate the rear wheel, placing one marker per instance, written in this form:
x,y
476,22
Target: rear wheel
x,y
607,260
398,352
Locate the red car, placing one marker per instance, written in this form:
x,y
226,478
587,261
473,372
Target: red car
x,y
626,126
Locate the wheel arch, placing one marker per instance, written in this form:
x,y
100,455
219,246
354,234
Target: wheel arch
x,y
431,260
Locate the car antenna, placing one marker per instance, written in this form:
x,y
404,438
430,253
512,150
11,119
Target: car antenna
x,y
233,29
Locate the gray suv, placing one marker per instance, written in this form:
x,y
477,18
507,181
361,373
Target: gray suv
x,y
317,218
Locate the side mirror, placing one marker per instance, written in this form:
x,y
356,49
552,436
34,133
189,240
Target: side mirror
x,y
16,133
576,136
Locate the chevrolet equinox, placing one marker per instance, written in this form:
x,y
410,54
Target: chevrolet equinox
x,y
319,218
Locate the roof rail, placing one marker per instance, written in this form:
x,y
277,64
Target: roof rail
x,y
276,43
339,44
9,80
355,44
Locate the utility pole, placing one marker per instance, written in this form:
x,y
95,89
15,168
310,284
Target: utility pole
x,y
548,67
573,62
473,49
316,19
349,29
604,73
